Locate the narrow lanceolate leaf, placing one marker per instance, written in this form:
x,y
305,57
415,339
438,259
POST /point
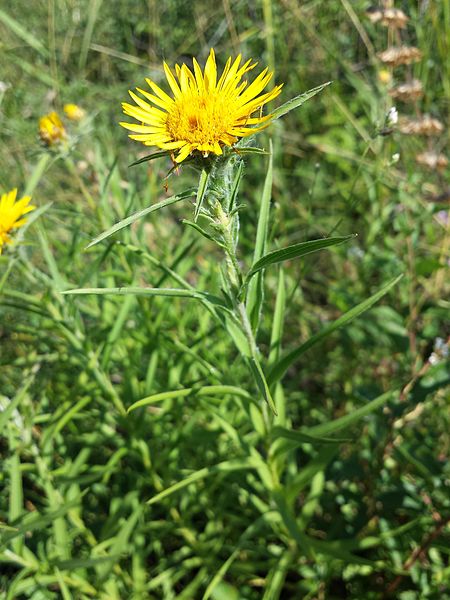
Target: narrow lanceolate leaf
x,y
141,213
250,150
255,294
142,291
223,467
207,390
303,436
203,232
149,157
232,201
355,415
201,193
297,101
295,251
278,320
261,382
280,368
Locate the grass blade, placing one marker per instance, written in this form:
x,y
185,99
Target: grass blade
x,y
93,10
22,33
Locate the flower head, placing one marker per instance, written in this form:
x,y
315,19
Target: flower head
x,y
11,214
51,129
204,112
74,112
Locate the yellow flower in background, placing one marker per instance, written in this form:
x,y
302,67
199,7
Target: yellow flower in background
x,y
74,112
204,113
51,129
384,76
11,214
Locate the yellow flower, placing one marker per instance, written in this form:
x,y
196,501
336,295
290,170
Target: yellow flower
x,y
11,214
51,129
74,112
204,113
384,76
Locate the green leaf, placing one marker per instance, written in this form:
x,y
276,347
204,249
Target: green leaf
x,y
280,368
355,415
141,213
311,546
65,593
142,291
294,251
230,203
223,467
303,436
149,157
291,524
251,150
261,382
207,390
203,232
297,101
201,193
278,320
276,577
255,294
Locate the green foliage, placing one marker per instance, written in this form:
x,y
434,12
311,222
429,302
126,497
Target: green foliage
x,y
167,431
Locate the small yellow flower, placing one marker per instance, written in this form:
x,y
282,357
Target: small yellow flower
x,y
51,129
74,112
204,113
384,76
11,214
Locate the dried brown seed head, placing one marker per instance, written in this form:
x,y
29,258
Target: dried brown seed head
x,y
426,125
389,17
407,92
401,55
432,160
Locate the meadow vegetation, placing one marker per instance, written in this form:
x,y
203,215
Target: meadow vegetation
x,y
315,466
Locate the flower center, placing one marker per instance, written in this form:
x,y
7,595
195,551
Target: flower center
x,y
200,119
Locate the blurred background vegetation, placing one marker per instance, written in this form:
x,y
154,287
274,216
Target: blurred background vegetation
x,y
76,473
